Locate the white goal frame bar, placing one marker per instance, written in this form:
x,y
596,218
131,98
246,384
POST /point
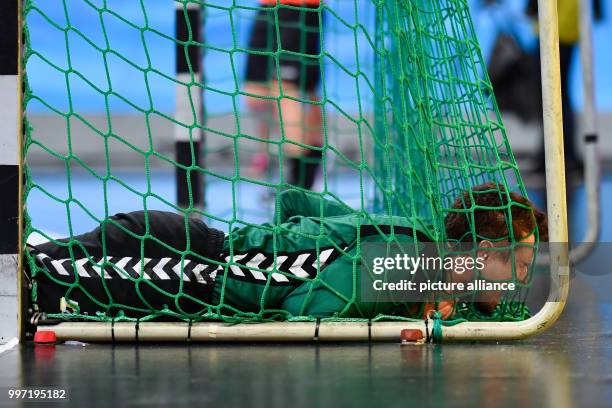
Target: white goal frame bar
x,y
363,331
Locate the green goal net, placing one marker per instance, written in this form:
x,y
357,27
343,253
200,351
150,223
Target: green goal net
x,y
400,121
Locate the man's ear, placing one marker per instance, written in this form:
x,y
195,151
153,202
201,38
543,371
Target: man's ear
x,y
484,249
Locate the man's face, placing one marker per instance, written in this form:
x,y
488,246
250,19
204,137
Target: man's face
x,y
498,268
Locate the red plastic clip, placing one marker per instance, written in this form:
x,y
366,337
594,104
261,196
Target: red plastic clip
x,y
411,336
45,337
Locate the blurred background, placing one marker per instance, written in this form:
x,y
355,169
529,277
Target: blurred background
x,y
134,93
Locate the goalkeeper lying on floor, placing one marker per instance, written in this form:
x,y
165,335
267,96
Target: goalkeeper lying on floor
x,y
133,261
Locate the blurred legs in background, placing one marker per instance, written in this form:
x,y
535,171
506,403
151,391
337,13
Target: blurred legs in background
x,y
301,129
283,90
262,111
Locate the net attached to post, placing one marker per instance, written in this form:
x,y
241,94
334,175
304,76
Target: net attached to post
x,y
403,120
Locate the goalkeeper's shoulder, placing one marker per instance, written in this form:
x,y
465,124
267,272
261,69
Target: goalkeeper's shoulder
x,y
310,204
292,196
384,225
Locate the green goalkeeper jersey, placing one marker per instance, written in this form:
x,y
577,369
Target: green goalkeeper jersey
x,y
307,263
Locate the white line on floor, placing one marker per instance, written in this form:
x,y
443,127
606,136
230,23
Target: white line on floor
x,y
9,345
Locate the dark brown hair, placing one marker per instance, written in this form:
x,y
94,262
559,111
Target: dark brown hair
x,y
492,222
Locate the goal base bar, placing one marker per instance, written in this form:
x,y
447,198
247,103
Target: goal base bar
x,y
299,331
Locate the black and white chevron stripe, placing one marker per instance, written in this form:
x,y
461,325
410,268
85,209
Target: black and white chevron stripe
x,y
253,266
130,268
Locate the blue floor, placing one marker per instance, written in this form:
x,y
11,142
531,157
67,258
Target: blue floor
x,y
89,204
129,191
